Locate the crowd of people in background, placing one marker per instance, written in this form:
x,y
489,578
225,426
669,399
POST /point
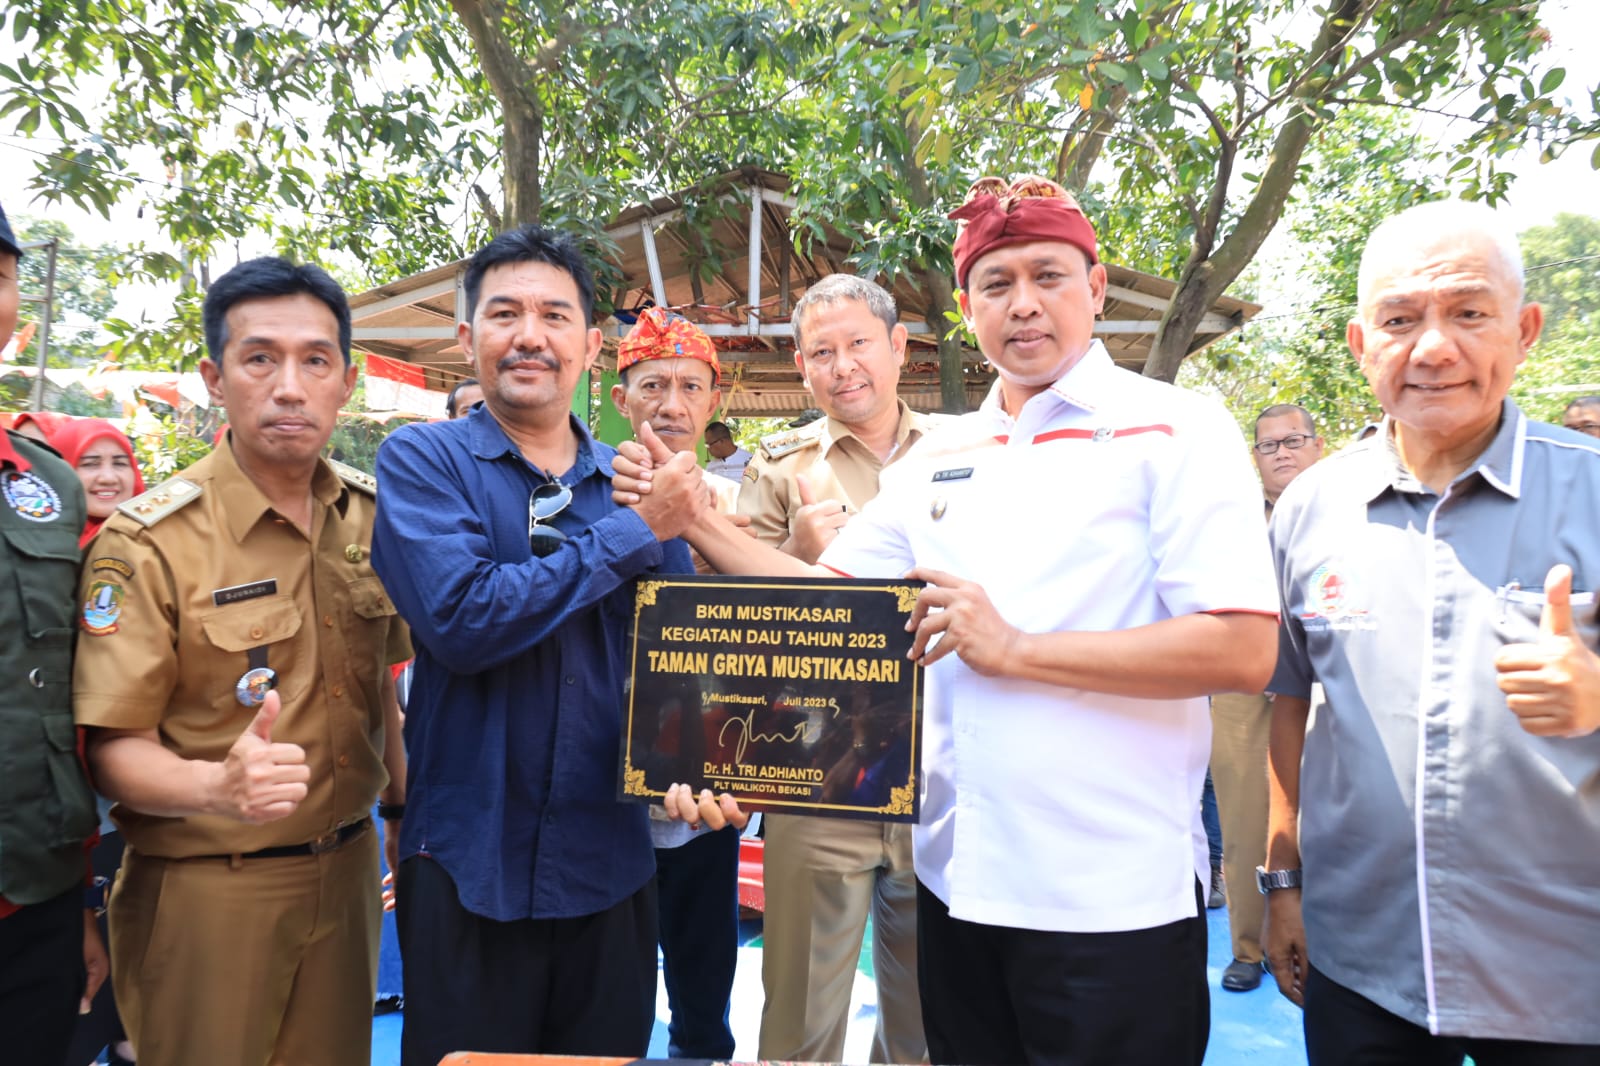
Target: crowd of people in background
x,y
1386,657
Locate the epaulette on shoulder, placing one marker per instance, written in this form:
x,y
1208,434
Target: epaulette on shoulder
x,y
778,445
355,477
165,499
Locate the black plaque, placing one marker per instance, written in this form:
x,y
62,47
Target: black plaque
x,y
791,694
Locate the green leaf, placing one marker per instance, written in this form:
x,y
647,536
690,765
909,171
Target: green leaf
x,y
1552,81
968,78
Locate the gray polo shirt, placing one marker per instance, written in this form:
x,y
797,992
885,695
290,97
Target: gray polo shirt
x,y
1452,860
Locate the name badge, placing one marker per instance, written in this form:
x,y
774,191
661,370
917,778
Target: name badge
x,y
239,593
957,474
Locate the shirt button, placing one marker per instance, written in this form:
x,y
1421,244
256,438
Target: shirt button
x,y
255,632
327,620
338,690
344,760
571,679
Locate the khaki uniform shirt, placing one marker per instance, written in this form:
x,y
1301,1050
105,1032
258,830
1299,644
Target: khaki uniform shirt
x,y
182,584
834,461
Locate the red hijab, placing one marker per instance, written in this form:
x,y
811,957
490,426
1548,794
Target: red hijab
x,y
73,437
48,422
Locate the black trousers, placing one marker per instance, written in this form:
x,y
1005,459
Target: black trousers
x,y
992,994
1344,1028
573,986
698,890
41,979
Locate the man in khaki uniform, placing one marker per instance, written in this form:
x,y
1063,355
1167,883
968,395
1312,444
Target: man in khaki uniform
x,y
233,668
1286,443
824,876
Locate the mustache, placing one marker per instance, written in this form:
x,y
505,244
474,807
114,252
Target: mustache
x,y
516,359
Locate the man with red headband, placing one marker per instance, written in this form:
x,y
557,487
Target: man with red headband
x,y
669,376
1092,545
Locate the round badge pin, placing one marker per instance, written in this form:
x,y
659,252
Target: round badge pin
x,y
938,507
251,689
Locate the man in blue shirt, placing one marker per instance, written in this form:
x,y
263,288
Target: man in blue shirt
x,y
526,915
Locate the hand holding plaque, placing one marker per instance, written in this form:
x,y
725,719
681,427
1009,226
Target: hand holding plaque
x,y
715,812
784,693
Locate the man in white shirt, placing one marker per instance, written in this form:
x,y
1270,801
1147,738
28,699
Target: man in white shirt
x,y
1093,547
727,458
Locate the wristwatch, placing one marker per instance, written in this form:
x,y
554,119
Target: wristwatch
x,y
1269,881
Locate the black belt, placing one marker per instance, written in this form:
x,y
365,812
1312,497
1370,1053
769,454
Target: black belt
x,y
331,841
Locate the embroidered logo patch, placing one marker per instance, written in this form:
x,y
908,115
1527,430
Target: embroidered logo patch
x,y
1327,594
102,607
1336,601
31,497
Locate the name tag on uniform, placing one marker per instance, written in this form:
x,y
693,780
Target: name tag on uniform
x,y
956,474
238,593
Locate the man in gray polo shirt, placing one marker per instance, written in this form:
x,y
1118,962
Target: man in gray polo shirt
x,y
1448,788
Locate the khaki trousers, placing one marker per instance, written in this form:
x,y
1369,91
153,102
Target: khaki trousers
x,y
823,876
1239,726
254,962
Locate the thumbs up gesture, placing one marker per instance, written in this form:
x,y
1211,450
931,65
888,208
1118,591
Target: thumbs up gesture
x,y
815,524
1553,686
675,491
262,780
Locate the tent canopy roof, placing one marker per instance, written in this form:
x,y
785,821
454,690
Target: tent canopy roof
x,y
723,254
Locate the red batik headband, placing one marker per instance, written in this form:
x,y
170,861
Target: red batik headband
x,y
663,334
996,214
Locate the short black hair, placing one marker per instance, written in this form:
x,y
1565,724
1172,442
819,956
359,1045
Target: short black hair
x,y
450,400
1582,401
1280,409
532,244
718,430
269,276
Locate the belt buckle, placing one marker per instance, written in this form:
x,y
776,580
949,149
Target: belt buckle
x,y
326,842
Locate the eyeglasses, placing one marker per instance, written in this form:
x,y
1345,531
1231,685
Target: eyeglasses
x,y
546,501
1293,442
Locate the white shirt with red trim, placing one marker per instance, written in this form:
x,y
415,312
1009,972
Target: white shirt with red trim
x,y
1112,501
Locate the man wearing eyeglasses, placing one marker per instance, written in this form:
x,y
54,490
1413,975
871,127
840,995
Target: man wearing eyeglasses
x,y
525,908
1583,415
1286,443
1438,589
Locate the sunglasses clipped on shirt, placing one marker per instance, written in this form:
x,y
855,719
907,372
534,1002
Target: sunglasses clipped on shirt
x,y
545,502
1293,442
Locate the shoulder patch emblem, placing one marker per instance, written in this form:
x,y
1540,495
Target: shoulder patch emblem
x,y
790,441
355,478
102,606
31,496
163,500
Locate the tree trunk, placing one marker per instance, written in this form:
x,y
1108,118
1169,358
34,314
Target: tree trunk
x,y
1207,275
511,79
1197,291
941,301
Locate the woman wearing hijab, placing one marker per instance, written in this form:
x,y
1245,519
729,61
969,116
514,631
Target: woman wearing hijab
x,y
105,463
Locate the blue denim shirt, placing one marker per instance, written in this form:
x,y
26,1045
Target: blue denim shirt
x,y
513,727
